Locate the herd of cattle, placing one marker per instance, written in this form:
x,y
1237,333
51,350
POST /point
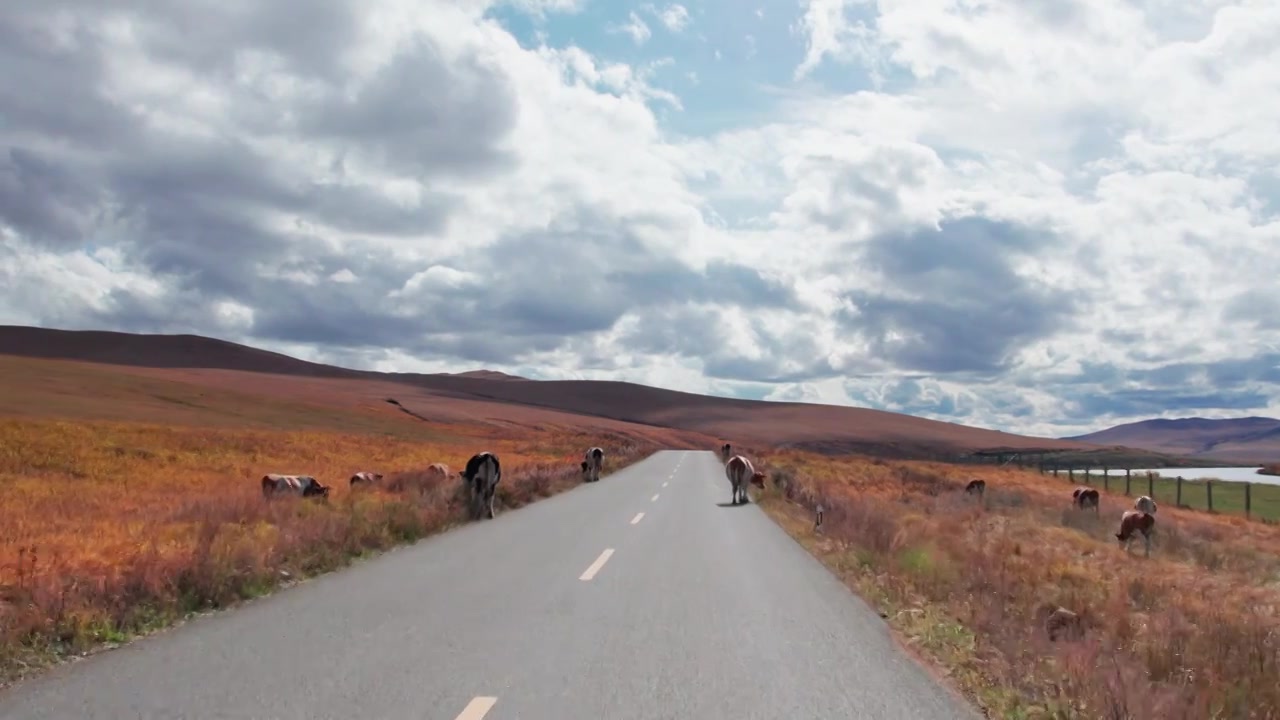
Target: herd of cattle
x,y
1141,520
483,471
480,480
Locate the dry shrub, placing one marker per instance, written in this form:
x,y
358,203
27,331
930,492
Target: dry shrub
x,y
1192,632
108,529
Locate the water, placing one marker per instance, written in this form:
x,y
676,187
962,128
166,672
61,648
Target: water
x,y
1234,474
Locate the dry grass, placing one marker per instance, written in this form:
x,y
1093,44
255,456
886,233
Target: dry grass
x,y
1270,469
108,529
1191,632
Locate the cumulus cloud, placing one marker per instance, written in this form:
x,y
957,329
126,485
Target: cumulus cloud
x,y
1071,227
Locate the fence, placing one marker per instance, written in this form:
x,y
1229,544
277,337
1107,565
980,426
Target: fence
x,y
1260,501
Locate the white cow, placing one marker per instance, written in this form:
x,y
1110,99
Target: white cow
x,y
1145,504
304,485
740,473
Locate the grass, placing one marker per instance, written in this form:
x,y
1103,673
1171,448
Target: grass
x,y
1191,632
1270,469
1228,495
109,529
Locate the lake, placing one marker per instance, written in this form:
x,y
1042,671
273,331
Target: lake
x,y
1236,474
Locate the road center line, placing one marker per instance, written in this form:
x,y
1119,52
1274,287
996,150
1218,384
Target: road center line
x,y
595,566
636,519
477,708
654,498
664,484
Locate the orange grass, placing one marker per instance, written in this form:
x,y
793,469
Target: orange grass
x,y
1191,632
108,529
1269,469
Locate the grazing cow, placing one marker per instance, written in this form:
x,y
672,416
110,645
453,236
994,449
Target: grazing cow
x,y
592,464
1083,497
365,477
437,471
740,473
1132,523
481,476
1145,504
1061,623
976,487
724,452
304,485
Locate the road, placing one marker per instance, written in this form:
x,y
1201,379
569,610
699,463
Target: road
x,y
640,597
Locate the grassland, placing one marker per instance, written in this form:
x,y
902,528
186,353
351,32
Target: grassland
x,y
1191,632
115,528
1271,469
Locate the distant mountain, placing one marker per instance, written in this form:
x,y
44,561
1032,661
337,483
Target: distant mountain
x,y
485,392
1236,440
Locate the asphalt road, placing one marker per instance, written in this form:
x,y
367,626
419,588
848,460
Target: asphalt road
x,y
641,597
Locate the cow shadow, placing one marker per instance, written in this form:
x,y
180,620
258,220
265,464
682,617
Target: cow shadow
x,y
731,505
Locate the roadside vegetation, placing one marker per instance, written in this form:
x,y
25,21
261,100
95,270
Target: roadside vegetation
x,y
109,529
1269,469
1191,632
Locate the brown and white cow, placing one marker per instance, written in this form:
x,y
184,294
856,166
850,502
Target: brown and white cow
x,y
1145,504
1085,497
481,476
592,464
740,474
437,471
304,485
365,477
1132,523
977,487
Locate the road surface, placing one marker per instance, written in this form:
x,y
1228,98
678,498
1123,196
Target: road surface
x,y
641,597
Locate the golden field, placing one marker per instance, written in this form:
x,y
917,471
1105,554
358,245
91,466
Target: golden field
x,y
1191,632
111,528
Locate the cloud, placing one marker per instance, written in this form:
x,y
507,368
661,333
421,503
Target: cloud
x,y
1071,228
636,28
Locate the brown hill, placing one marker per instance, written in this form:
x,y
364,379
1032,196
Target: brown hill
x,y
1244,440
498,397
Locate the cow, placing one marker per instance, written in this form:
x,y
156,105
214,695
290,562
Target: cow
x,y
1083,497
1133,522
365,477
976,487
592,464
480,478
725,449
740,474
1145,504
304,485
1061,623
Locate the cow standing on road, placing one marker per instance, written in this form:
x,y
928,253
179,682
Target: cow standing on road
x,y
304,485
481,476
724,452
592,464
740,473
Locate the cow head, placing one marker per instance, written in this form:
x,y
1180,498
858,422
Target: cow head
x,y
757,479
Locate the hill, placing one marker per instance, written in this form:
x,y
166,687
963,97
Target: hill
x,y
1244,440
197,362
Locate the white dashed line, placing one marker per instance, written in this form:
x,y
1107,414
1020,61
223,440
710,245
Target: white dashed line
x,y
664,484
654,498
477,708
636,519
595,566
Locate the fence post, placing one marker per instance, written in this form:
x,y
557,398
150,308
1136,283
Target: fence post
x,y
1106,472
1127,478
1071,473
1179,501
1208,492
1151,484
1055,469
1248,498
1106,483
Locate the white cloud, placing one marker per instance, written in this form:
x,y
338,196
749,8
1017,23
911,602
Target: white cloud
x,y
1072,226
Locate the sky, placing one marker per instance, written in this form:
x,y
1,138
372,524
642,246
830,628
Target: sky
x,y
1042,216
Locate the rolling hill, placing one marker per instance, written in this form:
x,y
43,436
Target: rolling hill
x,y
1234,440
207,366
